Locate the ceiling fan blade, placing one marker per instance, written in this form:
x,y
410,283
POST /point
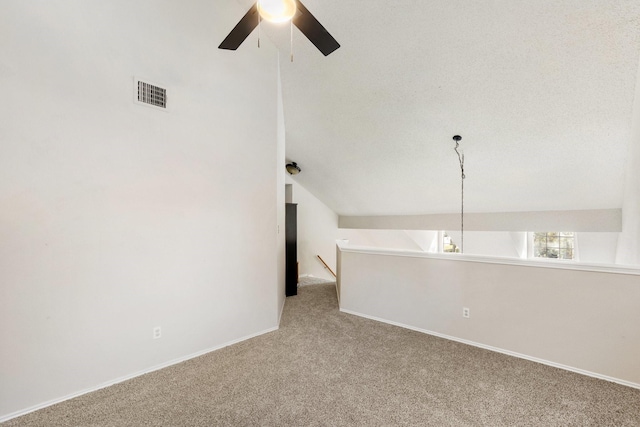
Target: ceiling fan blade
x,y
315,32
242,30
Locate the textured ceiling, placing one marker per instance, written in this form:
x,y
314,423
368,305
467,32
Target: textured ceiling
x,y
540,91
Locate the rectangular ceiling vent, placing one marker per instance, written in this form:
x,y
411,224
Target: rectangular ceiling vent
x,y
150,94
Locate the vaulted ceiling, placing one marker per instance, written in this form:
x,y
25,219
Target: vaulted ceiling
x,y
541,92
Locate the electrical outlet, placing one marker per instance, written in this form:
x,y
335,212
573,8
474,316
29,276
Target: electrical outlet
x,y
157,333
465,312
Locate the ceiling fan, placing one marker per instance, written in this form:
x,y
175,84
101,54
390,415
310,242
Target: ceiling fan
x,y
281,11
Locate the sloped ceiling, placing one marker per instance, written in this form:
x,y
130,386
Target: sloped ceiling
x,y
540,91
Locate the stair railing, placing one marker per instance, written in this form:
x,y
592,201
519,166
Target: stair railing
x,y
326,266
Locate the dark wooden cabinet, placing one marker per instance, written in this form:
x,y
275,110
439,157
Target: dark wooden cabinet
x,y
291,249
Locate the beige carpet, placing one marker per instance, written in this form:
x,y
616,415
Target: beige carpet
x,y
326,368
311,280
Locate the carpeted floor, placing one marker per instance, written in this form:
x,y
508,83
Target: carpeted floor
x,y
326,368
312,280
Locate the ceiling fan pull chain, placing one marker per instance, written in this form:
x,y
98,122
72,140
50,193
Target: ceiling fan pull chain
x,y
291,35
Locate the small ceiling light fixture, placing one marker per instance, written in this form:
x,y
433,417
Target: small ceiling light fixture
x,y
293,168
277,11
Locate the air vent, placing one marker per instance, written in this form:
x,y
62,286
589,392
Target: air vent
x,y
150,94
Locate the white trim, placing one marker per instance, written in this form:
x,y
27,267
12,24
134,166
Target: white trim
x,y
499,350
30,409
281,311
536,262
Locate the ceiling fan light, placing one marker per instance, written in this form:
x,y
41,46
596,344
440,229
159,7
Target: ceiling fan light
x,y
277,10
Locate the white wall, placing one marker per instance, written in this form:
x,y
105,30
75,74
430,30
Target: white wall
x,y
578,319
317,233
427,240
116,217
393,239
597,248
629,241
600,220
494,243
280,202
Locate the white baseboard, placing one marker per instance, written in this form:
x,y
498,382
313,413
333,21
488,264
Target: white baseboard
x,y
499,350
25,411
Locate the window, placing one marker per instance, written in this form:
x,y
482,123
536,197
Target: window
x,y
555,244
448,245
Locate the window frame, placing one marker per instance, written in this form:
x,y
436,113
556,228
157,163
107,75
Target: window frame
x,y
531,249
441,250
